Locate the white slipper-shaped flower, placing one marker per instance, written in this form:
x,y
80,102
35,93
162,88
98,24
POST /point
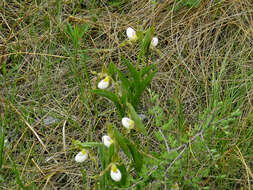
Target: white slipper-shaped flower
x,y
81,156
131,34
154,41
103,84
115,173
127,123
107,141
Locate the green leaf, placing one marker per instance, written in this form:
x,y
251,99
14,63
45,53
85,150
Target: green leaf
x,y
111,96
137,119
137,157
102,156
148,80
124,182
141,53
103,164
112,70
111,152
86,144
102,182
147,39
127,89
146,69
122,142
124,81
109,127
123,100
132,70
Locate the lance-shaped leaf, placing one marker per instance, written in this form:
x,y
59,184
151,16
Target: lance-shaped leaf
x,y
147,39
134,74
137,157
126,85
111,151
148,80
122,142
111,96
137,120
124,182
103,164
85,144
112,70
147,69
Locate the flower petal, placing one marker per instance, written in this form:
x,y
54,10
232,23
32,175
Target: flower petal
x,y
127,123
103,84
115,174
154,41
81,156
131,34
107,141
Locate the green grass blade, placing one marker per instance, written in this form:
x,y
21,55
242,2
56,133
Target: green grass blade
x,y
69,31
17,176
1,144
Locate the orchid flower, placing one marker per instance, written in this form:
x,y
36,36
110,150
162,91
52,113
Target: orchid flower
x,y
107,141
127,123
154,41
115,173
131,34
103,84
81,156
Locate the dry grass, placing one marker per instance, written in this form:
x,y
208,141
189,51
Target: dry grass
x,y
38,83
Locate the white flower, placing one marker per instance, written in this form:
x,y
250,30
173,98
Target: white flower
x,y
103,84
131,34
127,123
81,156
154,41
107,141
115,173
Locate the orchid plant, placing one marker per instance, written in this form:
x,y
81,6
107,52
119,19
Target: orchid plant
x,y
129,88
126,95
